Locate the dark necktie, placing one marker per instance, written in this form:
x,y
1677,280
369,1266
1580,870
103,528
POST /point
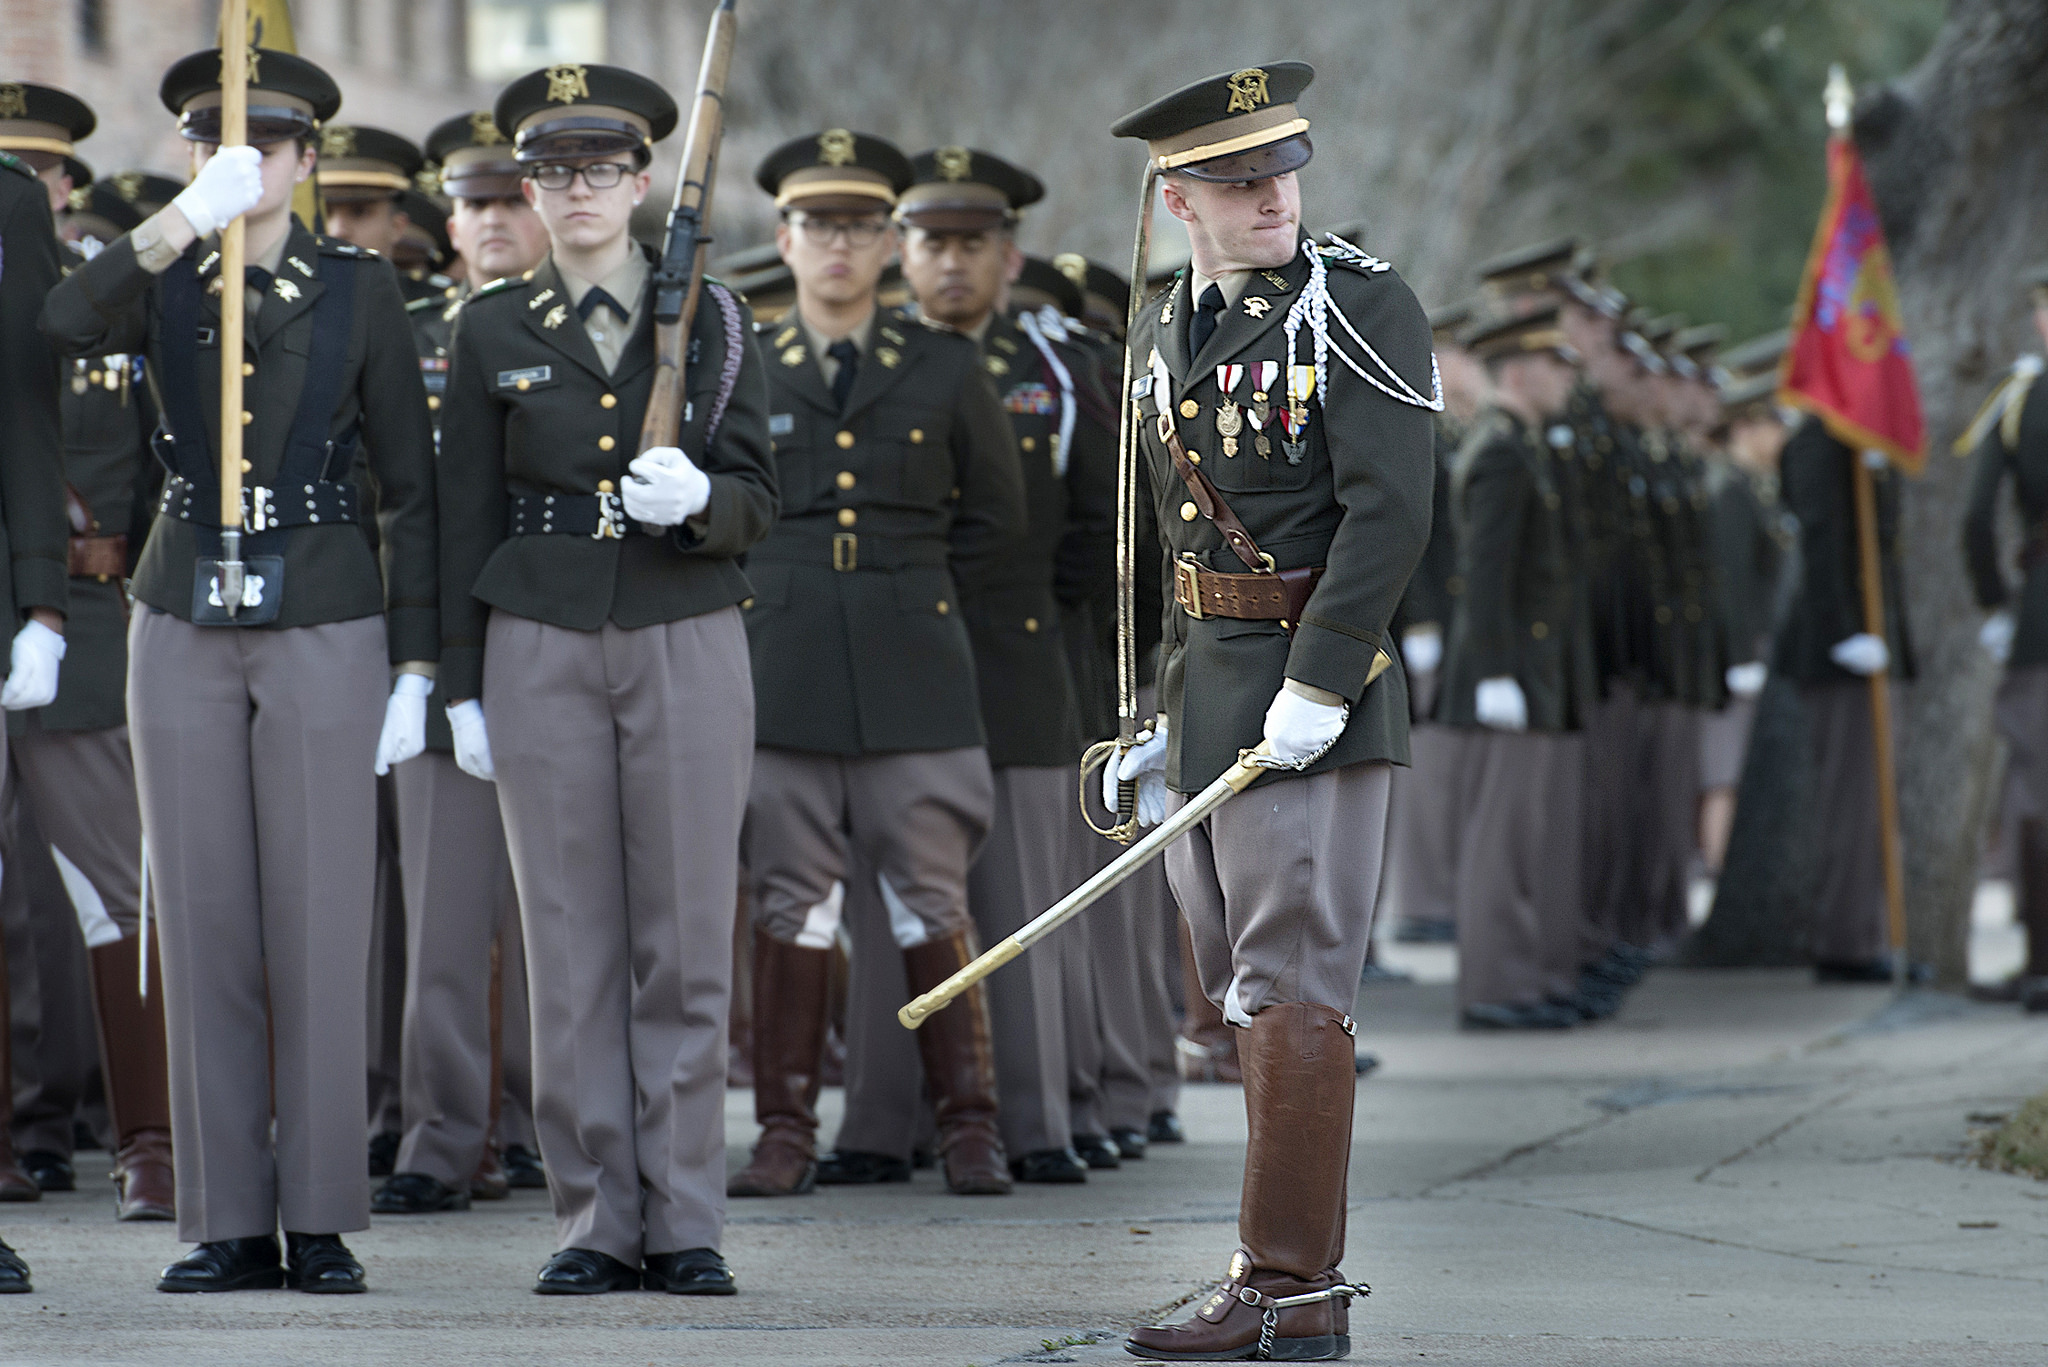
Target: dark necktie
x,y
595,297
848,356
257,279
1202,326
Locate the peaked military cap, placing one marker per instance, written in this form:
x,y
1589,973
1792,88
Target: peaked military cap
x,y
1105,295
1758,355
39,124
1755,397
361,164
1041,283
289,97
1236,126
957,189
475,157
1700,343
835,169
1500,338
1534,269
1446,321
569,110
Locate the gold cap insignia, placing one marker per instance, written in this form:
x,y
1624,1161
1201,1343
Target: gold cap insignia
x,y
13,101
81,197
1247,91
338,140
255,57
954,162
483,129
835,147
1073,265
128,185
427,180
567,83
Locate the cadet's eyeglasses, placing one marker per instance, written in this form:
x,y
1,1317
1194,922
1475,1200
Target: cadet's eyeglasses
x,y
819,232
602,175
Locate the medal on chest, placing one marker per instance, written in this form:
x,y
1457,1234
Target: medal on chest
x,y
1260,410
1229,417
1301,387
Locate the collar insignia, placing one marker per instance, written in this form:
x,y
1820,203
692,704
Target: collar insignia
x,y
889,356
286,290
1276,280
557,316
788,336
303,268
793,356
541,298
1257,305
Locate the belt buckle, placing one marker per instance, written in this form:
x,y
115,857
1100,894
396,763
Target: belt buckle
x,y
845,551
1187,580
611,518
255,508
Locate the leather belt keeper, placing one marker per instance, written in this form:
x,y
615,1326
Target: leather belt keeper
x,y
1277,597
99,557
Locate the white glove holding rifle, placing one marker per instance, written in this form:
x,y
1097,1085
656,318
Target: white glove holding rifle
x,y
664,488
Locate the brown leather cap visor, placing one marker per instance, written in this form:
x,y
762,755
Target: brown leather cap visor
x,y
1257,163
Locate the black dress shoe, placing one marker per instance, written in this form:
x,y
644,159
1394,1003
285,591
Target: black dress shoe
x,y
322,1265
50,1171
227,1265
853,1168
1054,1166
1416,932
13,1273
585,1272
692,1272
1541,1016
383,1153
1130,1143
416,1193
1364,1063
1164,1128
523,1168
1097,1152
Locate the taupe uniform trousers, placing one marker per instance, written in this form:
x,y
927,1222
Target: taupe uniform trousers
x,y
622,760
1641,812
1116,982
1278,887
886,1109
459,897
1848,905
2021,714
254,751
1423,825
1518,892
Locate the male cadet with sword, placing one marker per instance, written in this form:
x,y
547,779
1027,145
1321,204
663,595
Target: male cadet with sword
x,y
258,676
459,894
71,757
901,493
1283,402
592,606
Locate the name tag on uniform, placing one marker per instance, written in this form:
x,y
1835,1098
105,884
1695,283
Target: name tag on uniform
x,y
205,337
781,424
527,378
1140,387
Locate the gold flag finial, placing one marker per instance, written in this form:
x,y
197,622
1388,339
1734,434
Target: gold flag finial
x,y
1839,97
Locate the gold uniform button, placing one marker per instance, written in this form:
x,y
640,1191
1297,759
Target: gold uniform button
x,y
944,607
1029,443
844,479
1190,409
604,486
1663,616
1031,624
746,602
1539,629
247,417
103,578
433,403
93,376
845,440
608,401
917,436
605,443
1188,512
248,367
522,384
247,467
847,517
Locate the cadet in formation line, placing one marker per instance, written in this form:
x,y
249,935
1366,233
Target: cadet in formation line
x,y
1545,532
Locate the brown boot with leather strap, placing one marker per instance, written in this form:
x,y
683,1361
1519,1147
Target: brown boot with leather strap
x,y
960,1069
15,1185
1284,1299
790,988
138,1081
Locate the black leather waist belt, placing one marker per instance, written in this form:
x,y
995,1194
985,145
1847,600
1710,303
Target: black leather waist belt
x,y
263,509
601,517
850,551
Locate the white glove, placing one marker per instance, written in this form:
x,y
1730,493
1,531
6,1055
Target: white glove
x,y
1422,649
32,668
1499,703
1297,727
1144,764
1996,635
472,743
1746,681
405,722
664,487
1862,654
228,186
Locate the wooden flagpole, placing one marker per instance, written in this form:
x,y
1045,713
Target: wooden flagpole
x,y
234,132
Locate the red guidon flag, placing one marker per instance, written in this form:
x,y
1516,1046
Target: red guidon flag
x,y
1849,362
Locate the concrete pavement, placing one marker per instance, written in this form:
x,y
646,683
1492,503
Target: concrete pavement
x,y
1741,1168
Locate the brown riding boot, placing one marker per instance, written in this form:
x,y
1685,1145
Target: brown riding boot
x,y
138,1081
790,986
2033,911
1284,1299
15,1185
960,1069
1205,1050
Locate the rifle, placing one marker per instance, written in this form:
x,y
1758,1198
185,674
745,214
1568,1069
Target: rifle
x,y
679,276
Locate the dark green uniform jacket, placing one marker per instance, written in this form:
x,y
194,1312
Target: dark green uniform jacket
x,y
1016,615
531,413
34,539
1434,589
1615,501
1523,613
112,482
891,509
1819,484
1750,541
1358,504
330,572
433,336
2025,457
